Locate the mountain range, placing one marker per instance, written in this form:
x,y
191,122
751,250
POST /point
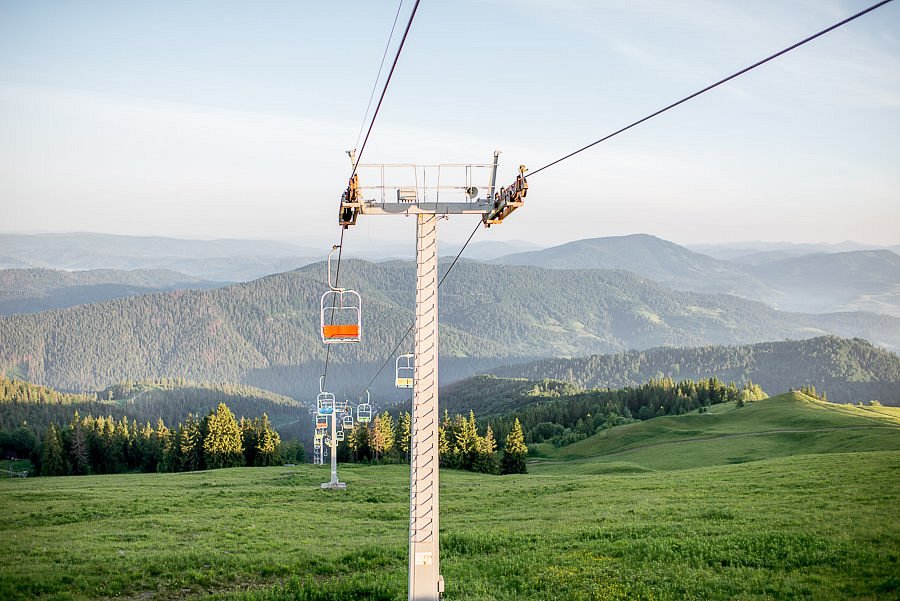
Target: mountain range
x,y
800,278
224,260
265,332
867,280
35,290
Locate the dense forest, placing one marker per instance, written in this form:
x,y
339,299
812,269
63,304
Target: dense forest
x,y
515,412
102,445
847,370
550,412
460,445
169,400
265,333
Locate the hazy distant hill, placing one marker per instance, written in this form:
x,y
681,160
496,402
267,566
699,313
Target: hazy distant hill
x,y
220,260
741,252
867,280
847,370
35,290
265,333
651,257
861,280
488,250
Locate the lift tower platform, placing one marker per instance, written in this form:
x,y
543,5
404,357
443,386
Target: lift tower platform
x,y
428,192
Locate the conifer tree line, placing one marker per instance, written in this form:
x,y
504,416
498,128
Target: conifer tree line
x,y
103,445
460,445
27,410
563,420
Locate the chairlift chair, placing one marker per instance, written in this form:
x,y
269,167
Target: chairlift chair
x,y
340,316
325,403
364,411
347,422
321,422
339,435
405,371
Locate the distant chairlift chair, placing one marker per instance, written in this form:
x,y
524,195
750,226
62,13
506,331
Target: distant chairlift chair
x,y
364,411
405,371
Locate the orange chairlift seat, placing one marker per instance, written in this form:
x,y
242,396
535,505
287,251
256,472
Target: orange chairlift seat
x,y
341,313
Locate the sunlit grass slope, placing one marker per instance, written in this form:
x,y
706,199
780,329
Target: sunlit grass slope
x,y
806,527
799,505
789,424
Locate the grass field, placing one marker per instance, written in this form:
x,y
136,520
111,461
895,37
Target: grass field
x,y
782,426
806,526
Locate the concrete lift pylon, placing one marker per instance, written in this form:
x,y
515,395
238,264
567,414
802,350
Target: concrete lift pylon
x,y
428,198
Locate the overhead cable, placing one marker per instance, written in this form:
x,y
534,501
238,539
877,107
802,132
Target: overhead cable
x,y
718,83
386,84
410,329
377,77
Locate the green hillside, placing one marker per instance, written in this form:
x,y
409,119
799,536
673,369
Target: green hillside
x,y
265,333
786,425
811,527
847,370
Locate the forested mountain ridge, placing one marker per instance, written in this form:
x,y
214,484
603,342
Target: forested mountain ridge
x,y
847,370
36,290
818,282
660,260
266,332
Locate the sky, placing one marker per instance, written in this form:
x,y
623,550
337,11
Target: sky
x,y
220,119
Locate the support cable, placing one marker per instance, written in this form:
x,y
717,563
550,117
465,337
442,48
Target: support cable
x,y
359,155
384,90
377,77
710,87
337,276
402,338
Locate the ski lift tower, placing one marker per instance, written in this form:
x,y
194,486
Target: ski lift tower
x,y
428,193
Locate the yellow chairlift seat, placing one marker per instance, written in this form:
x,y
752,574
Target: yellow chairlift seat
x,y
405,370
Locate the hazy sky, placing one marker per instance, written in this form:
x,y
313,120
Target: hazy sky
x,y
230,119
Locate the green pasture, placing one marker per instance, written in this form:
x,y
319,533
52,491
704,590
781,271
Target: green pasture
x,y
820,524
782,426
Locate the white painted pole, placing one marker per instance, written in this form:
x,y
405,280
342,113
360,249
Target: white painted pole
x,y
425,581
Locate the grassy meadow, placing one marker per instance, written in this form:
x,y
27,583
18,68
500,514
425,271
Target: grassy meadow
x,y
603,523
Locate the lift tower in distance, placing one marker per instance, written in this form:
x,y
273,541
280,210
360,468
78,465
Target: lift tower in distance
x,y
428,193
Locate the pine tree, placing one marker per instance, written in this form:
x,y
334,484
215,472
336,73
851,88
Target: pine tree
x,y
383,440
222,444
445,446
52,460
190,440
466,446
487,459
404,434
514,452
358,442
78,451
